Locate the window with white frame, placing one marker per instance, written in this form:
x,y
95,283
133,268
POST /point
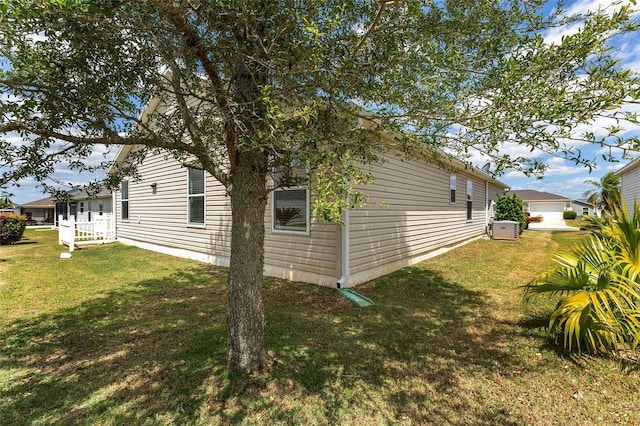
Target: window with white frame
x,y
452,189
196,196
290,206
100,207
124,200
469,199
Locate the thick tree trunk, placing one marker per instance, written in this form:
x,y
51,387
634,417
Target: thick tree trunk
x,y
246,348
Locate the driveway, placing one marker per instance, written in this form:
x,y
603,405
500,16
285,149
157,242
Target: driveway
x,y
549,224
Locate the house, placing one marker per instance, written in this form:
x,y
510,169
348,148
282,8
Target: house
x,y
538,203
416,209
87,205
39,212
583,208
630,183
10,209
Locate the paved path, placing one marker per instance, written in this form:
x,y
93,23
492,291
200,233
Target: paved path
x,y
552,225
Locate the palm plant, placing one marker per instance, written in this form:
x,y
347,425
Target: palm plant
x,y
599,279
607,192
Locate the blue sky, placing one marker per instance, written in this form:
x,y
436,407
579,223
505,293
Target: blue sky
x,y
562,177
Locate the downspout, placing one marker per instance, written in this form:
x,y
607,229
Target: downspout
x,y
113,215
344,240
487,207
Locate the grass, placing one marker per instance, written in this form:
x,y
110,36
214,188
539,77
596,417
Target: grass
x,y
118,335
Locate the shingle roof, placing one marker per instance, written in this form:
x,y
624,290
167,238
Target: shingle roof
x,y
532,195
83,194
582,203
48,202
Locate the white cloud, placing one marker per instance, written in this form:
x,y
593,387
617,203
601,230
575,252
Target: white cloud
x,y
579,7
36,37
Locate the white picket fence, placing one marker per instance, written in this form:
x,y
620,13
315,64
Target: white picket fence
x,y
70,232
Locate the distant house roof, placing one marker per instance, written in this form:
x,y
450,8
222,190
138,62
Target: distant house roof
x,y
83,194
582,203
44,203
532,195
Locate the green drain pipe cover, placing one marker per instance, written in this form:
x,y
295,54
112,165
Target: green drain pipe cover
x,y
356,298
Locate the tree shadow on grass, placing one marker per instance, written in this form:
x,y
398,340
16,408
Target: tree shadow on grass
x,y
156,352
135,354
406,355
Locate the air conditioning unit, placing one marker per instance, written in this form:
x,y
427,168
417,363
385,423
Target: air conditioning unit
x,y
505,230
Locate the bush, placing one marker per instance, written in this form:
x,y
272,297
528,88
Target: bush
x,y
11,228
598,280
509,207
569,215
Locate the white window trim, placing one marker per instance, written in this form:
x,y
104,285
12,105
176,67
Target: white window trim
x,y
122,200
204,199
273,212
469,198
453,187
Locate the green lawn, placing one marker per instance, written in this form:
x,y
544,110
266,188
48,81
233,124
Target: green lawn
x,y
118,335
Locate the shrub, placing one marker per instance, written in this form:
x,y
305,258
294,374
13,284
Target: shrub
x,y
11,228
599,280
569,215
509,207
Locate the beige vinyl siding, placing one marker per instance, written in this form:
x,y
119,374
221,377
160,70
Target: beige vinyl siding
x,y
409,213
161,219
315,253
630,191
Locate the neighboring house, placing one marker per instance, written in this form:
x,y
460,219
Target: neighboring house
x,y
39,212
630,183
10,209
583,208
86,206
415,210
537,203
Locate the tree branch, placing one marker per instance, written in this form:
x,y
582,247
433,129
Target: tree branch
x,y
195,43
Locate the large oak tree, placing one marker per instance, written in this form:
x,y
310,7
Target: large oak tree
x,y
253,85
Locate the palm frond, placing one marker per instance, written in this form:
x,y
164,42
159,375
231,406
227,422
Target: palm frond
x,y
599,279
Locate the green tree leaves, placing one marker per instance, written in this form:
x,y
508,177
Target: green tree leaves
x,y
607,192
242,89
510,207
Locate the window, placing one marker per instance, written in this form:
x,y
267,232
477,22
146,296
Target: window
x,y
290,206
290,210
469,199
100,207
81,207
585,211
124,191
196,196
452,189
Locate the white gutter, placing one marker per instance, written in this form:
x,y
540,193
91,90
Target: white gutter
x,y
344,234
